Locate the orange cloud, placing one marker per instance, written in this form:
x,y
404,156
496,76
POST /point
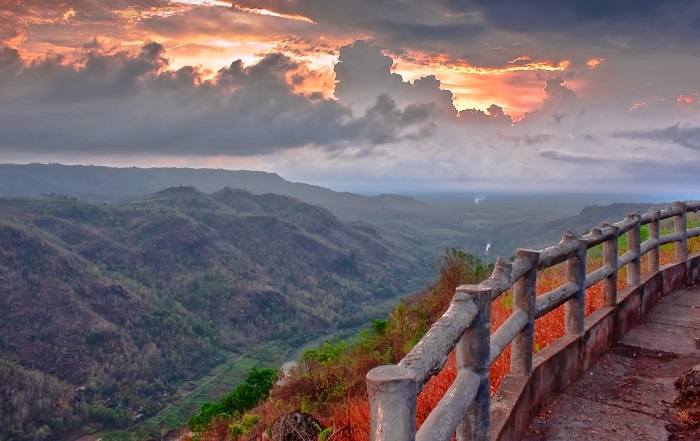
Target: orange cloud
x,y
69,13
203,3
637,105
515,86
688,99
259,11
594,62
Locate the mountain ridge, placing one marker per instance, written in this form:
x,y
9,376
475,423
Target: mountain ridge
x,y
111,184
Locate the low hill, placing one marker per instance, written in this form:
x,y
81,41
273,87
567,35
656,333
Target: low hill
x,y
107,308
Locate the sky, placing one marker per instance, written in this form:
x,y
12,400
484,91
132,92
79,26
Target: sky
x,y
366,95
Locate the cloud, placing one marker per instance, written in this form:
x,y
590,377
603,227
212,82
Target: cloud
x,y
285,96
384,120
425,25
494,115
363,73
560,104
70,23
624,24
118,103
686,136
529,139
568,156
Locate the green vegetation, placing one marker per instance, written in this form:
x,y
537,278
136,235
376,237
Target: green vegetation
x,y
217,382
329,377
244,397
336,369
113,313
666,227
126,306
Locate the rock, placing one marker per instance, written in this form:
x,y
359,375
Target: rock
x,y
295,426
688,387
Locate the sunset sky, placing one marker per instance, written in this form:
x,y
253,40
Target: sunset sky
x,y
366,95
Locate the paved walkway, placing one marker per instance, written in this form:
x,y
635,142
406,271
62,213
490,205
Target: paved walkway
x,y
629,393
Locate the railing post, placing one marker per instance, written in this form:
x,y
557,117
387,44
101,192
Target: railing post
x,y
576,272
524,297
610,258
634,268
654,262
392,392
473,351
679,224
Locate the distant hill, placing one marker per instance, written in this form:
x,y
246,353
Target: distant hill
x,y
109,184
509,236
105,308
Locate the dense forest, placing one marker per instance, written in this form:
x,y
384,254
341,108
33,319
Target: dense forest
x,y
106,309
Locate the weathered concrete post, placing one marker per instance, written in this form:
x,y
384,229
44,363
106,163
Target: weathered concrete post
x,y
610,258
524,297
473,351
634,268
653,263
576,272
679,224
392,392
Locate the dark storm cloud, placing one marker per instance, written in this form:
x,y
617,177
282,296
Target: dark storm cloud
x,y
454,26
685,136
383,121
396,23
118,103
643,22
430,33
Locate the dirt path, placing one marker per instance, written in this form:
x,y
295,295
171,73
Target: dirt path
x,y
629,394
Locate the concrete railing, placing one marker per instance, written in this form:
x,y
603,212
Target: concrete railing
x,y
467,408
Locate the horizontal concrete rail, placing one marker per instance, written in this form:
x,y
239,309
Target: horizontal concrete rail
x,y
598,275
467,409
506,333
448,414
550,301
428,356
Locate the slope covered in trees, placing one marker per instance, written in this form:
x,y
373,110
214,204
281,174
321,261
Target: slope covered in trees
x,y
330,384
106,309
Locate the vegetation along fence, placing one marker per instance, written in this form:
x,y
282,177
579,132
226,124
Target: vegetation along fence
x,y
467,408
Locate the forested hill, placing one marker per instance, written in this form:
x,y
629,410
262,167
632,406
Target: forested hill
x,y
100,184
105,308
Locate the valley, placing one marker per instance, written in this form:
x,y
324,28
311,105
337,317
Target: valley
x,y
132,313
122,304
